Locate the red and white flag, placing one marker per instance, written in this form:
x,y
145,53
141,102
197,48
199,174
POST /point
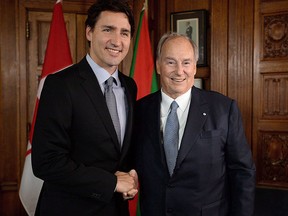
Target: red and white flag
x,y
57,57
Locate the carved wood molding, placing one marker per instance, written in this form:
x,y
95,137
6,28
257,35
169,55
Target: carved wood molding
x,y
275,36
273,159
275,93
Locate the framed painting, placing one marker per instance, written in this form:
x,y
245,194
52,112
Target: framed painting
x,y
193,24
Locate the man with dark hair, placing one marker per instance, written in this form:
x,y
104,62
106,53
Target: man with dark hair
x,y
82,134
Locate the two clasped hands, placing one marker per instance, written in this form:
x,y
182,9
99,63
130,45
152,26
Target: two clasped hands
x,y
127,183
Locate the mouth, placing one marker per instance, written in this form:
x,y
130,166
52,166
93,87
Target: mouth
x,y
113,51
178,79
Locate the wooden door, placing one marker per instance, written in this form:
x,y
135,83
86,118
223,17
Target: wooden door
x,y
270,94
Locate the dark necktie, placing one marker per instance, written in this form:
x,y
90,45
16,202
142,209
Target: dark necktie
x,y
112,106
171,137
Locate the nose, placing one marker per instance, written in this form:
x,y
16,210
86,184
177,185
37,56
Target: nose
x,y
179,69
116,39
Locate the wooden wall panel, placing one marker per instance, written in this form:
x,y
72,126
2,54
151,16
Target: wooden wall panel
x,y
219,46
9,77
185,5
273,154
240,58
275,37
275,99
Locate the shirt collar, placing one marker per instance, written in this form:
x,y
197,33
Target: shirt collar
x,y
101,74
183,102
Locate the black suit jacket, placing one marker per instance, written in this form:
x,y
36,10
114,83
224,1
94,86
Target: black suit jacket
x,y
214,173
75,148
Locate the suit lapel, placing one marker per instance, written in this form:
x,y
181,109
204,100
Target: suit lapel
x,y
130,113
92,88
197,116
154,113
153,125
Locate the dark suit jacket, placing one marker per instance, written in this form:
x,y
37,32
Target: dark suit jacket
x,y
75,148
214,173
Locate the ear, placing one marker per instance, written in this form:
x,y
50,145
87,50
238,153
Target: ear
x,y
89,33
157,67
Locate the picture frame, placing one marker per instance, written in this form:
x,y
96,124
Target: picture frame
x,y
194,25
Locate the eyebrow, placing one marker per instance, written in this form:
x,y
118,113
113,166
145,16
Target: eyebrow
x,y
125,30
108,26
169,58
173,59
114,27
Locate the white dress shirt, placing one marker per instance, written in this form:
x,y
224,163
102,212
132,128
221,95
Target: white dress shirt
x,y
182,112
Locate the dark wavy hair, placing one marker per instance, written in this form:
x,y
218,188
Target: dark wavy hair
x,y
99,6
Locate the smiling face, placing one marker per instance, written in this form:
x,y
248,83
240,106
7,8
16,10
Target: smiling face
x,y
176,66
110,39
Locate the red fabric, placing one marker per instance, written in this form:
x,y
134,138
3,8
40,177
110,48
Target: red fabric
x,y
57,54
133,206
144,64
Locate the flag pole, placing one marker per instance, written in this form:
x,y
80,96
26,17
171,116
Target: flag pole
x,y
145,5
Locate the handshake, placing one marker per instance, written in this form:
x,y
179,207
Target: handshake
x,y
127,183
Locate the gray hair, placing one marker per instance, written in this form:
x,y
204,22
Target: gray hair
x,y
171,35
